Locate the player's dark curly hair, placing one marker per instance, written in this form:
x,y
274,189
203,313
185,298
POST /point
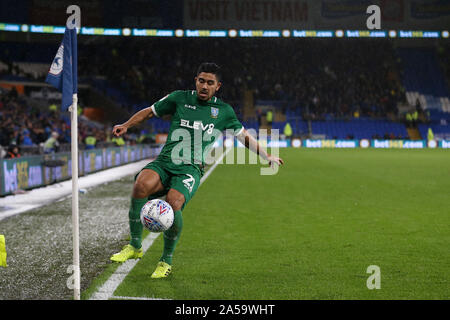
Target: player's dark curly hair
x,y
210,67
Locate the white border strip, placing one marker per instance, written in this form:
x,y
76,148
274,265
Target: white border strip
x,y
106,291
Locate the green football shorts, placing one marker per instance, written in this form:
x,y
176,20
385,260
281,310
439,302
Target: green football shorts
x,y
184,178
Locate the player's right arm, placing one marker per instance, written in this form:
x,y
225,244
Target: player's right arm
x,y
135,119
164,106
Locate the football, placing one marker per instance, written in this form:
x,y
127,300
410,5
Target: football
x,y
157,215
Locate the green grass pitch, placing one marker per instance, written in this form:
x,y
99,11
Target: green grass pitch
x,y
312,230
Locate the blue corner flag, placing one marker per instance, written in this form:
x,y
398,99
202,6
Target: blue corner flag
x,y
63,71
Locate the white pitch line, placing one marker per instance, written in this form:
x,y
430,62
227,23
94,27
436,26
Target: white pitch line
x,y
106,291
108,288
15,204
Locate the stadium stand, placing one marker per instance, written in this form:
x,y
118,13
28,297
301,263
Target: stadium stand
x,y
336,89
424,80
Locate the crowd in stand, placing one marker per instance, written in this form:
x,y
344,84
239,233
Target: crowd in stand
x,y
24,127
325,78
147,69
341,80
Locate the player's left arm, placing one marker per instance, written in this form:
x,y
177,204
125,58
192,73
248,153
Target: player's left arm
x,y
252,144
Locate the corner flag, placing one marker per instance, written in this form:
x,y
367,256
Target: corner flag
x,y
63,71
63,76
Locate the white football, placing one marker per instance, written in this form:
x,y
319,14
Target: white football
x,y
157,215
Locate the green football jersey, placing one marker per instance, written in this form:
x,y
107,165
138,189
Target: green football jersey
x,y
195,125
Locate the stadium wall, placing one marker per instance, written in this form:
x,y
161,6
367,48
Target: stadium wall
x,y
36,171
31,172
350,144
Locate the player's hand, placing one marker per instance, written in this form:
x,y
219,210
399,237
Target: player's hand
x,y
273,160
119,130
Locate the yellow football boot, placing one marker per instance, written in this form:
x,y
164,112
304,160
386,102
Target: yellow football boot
x,y
128,252
162,270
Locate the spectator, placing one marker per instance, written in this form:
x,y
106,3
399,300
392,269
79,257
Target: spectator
x,y
430,134
269,118
90,141
287,130
52,144
119,141
3,153
26,138
13,152
259,115
409,120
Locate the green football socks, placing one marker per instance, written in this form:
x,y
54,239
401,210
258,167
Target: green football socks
x,y
134,216
171,237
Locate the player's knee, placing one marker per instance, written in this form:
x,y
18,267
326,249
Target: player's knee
x,y
176,200
141,189
146,184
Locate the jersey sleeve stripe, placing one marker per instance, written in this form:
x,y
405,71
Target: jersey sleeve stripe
x,y
154,111
240,131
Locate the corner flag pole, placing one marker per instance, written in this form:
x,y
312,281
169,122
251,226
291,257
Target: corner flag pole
x,y
75,215
64,77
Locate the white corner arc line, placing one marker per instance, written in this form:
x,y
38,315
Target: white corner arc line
x,y
106,291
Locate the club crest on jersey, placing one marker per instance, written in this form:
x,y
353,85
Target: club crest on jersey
x,y
214,112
